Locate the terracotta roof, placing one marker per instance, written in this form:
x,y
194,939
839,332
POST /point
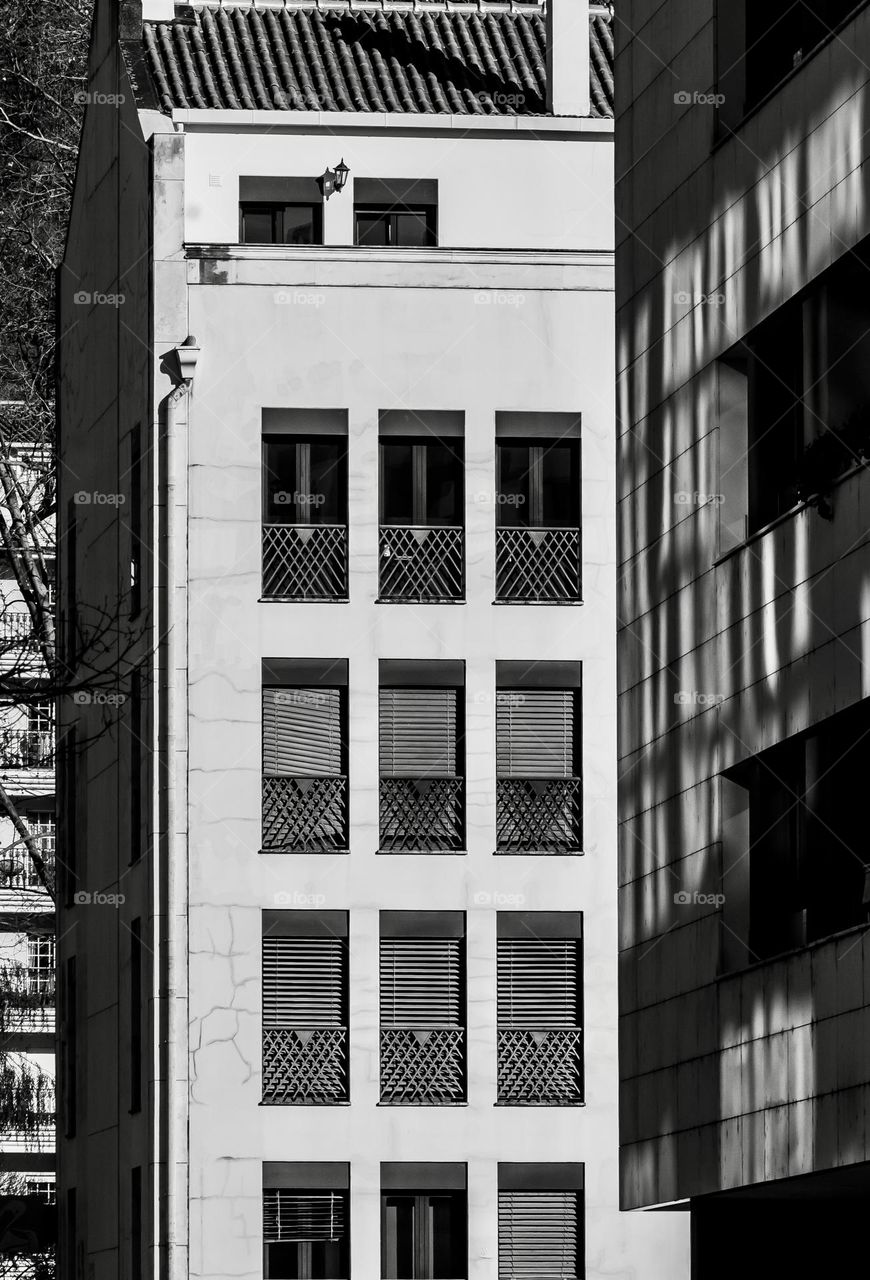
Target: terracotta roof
x,y
466,59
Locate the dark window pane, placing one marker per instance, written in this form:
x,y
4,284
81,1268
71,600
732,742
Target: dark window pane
x,y
279,500
300,224
397,501
446,1238
514,485
327,1260
258,225
398,1243
372,229
561,498
411,229
282,1262
443,483
325,501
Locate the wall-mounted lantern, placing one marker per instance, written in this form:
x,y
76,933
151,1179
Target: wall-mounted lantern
x,y
334,179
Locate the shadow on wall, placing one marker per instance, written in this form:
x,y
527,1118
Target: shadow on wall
x,y
730,1080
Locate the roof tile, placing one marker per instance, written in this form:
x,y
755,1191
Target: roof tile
x,y
431,58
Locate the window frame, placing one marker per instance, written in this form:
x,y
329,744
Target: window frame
x,y
303,511
420,446
391,213
278,211
421,1247
537,451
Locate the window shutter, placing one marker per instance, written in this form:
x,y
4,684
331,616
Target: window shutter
x,y
294,1215
302,732
421,982
535,733
538,983
538,1235
303,982
418,733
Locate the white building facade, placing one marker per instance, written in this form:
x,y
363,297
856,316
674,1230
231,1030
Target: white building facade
x,y
354,461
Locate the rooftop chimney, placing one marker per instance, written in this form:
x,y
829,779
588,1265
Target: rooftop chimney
x,y
568,57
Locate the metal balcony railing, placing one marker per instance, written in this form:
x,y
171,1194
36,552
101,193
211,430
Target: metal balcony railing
x,y
304,815
27,748
421,563
15,627
305,561
305,1065
423,1065
540,1067
421,814
538,815
537,564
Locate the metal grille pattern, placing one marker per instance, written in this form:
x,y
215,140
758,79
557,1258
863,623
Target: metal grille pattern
x,y
421,563
537,564
540,1066
420,814
305,561
538,815
305,1066
423,1066
304,815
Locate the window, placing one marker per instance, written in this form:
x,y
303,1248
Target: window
x,y
304,761
421,765
136,730
422,509
793,398
540,994
136,1015
71,815
40,964
422,1004
759,44
423,1222
538,788
390,213
305,995
305,517
537,508
42,824
281,223
305,1221
805,823
45,1188
540,1221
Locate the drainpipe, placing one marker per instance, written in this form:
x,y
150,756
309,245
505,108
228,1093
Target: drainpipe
x,y
171,868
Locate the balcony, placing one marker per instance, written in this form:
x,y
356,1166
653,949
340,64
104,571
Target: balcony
x,y
538,815
421,815
537,565
421,563
305,1065
27,748
305,561
423,1066
540,1068
304,815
